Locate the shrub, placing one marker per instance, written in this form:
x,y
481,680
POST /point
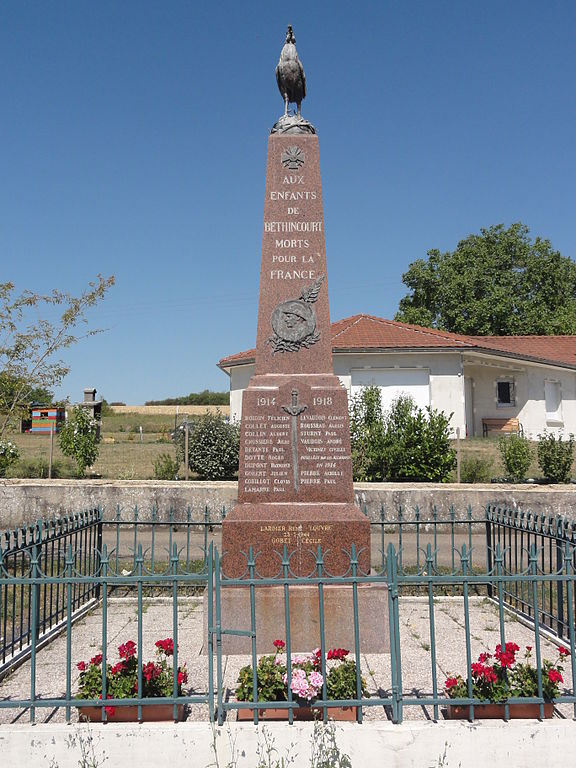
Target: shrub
x,y
79,438
9,455
555,457
38,468
516,454
476,469
213,447
367,435
165,467
417,443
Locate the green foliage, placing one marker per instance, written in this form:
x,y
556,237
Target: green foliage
x,y
367,435
306,681
499,282
206,397
213,447
516,454
417,443
9,455
555,457
341,682
476,469
79,438
29,343
166,467
405,443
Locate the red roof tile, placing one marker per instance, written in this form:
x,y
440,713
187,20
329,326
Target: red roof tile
x,y
370,333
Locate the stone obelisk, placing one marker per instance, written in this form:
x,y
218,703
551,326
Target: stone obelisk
x,y
295,478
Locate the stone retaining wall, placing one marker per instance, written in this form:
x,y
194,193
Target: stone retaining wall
x,y
22,502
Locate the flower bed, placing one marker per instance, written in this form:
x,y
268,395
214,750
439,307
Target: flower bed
x,y
305,676
497,677
122,681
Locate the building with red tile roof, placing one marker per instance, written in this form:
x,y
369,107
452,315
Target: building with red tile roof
x,y
481,380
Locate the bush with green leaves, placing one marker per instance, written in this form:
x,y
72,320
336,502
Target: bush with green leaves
x,y
79,438
166,467
555,457
367,435
476,469
516,454
213,446
9,455
417,443
405,443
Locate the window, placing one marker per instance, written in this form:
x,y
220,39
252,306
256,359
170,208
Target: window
x,y
553,399
505,393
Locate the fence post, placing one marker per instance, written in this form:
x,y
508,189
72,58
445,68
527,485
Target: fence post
x,y
394,621
489,544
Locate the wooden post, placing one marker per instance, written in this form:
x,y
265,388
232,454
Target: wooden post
x,y
457,454
51,451
187,469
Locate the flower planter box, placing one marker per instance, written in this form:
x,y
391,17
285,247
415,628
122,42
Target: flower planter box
x,y
528,711
129,713
299,713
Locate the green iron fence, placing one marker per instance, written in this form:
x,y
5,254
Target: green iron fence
x,y
151,556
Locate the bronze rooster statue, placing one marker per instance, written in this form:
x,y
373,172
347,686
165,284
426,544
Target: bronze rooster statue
x,y
290,74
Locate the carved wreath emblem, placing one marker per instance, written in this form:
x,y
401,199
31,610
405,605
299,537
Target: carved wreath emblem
x,y
294,321
293,158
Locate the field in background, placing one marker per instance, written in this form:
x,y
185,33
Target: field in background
x,y
127,455
171,410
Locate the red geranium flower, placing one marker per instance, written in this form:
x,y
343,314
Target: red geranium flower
x,y
96,659
554,676
81,666
167,646
127,650
279,644
451,682
563,651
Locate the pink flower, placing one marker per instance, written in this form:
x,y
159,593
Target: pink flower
x,y
316,679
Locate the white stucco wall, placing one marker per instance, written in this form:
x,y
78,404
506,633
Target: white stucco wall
x,y
445,376
530,406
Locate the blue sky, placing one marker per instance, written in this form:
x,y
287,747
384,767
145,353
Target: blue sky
x,y
133,142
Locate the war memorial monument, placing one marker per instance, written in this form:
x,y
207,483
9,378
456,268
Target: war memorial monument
x,y
295,492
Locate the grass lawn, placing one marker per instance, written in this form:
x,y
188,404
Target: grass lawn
x,y
127,455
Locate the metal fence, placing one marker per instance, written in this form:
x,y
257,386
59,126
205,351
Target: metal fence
x,y
33,561
54,572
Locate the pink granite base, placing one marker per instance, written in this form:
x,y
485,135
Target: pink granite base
x,y
302,528
304,618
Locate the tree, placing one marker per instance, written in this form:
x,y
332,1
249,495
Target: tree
x,y
79,438
213,446
499,283
367,435
417,443
30,343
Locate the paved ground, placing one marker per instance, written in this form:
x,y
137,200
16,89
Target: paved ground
x,y
157,623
